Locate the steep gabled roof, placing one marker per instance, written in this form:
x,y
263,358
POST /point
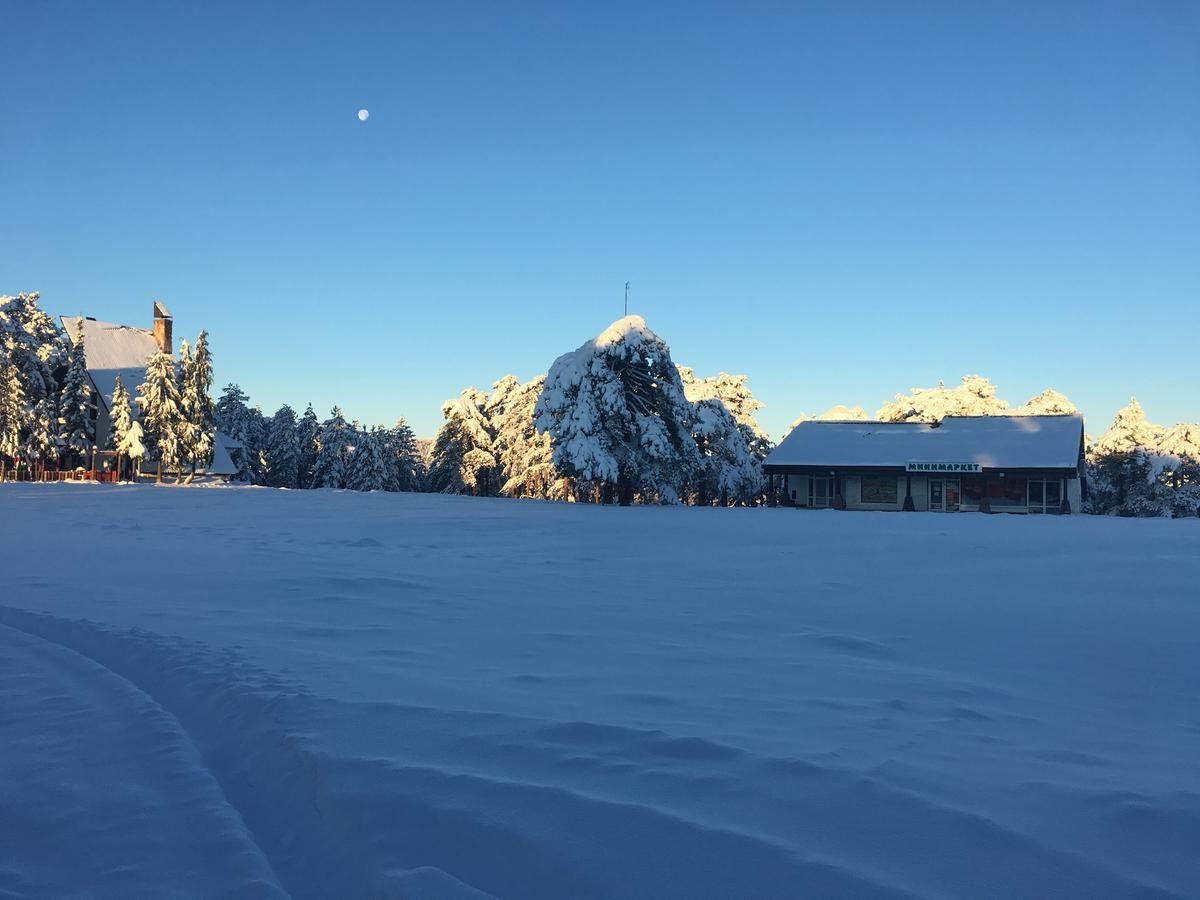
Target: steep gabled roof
x,y
112,350
994,442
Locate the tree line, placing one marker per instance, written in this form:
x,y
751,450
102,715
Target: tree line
x,y
613,421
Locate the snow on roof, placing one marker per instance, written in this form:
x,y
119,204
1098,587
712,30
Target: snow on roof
x,y
113,350
994,442
222,461
160,310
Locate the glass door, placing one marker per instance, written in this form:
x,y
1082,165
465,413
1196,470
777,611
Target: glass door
x,y
952,495
818,491
944,494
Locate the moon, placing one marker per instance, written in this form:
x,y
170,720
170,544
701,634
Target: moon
x,y
363,115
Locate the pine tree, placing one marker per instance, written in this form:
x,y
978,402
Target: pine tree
x,y
329,471
195,405
186,429
34,347
252,459
158,400
367,470
616,413
124,433
14,411
730,473
463,460
231,413
308,430
524,454
402,458
77,425
281,451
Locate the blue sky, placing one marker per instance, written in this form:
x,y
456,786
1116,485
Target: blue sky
x,y
839,200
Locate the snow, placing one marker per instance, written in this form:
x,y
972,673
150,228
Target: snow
x,y
326,693
113,350
1013,442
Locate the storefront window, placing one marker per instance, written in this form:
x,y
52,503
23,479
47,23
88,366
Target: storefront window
x,y
1045,496
1000,491
879,489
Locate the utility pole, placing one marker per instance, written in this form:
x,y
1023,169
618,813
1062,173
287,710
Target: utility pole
x,y
627,298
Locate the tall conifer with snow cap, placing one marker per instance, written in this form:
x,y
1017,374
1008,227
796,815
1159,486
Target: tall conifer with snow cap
x,y
125,432
196,406
329,471
308,430
368,467
403,458
463,456
77,434
616,413
231,412
281,450
158,399
730,473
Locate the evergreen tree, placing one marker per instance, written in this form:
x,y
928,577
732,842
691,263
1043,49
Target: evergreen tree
x,y
617,416
77,425
367,469
14,410
231,413
281,451
308,430
525,455
252,458
158,399
729,473
403,458
187,430
196,406
33,348
329,471
463,461
124,433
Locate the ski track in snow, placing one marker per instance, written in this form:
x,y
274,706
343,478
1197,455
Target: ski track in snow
x,y
325,694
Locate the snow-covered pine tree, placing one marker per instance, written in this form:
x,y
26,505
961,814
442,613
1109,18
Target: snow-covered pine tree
x,y
281,450
307,431
525,454
76,409
730,472
124,432
252,459
329,471
404,463
196,406
733,391
617,416
1048,403
976,396
232,412
35,348
13,407
187,430
158,400
368,470
463,460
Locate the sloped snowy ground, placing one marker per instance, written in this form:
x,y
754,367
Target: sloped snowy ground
x,y
245,692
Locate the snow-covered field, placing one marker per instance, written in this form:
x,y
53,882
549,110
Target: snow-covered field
x,y
256,693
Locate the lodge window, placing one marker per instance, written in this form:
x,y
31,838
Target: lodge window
x,y
879,489
1045,495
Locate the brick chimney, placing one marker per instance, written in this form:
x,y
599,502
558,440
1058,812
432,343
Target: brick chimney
x,y
162,327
